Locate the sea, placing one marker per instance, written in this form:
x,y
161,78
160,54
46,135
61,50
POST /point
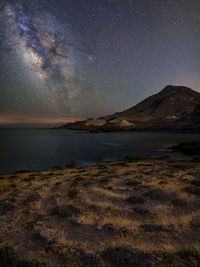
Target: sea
x,y
39,149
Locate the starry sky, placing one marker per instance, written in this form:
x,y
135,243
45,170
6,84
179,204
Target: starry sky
x,y
67,60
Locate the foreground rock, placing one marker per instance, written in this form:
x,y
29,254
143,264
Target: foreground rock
x,y
76,220
196,221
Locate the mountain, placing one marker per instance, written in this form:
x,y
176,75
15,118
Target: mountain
x,y
173,108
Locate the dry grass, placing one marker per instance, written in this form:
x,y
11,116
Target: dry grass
x,y
98,205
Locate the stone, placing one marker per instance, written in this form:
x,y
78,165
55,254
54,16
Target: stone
x,y
72,250
40,233
98,227
108,227
76,220
196,221
39,223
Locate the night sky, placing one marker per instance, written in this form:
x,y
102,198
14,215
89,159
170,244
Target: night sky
x,y
63,60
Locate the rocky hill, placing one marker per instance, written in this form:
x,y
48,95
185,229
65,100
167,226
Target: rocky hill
x,y
173,108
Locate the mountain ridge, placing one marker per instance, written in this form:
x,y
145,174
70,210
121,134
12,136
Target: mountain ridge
x,y
173,108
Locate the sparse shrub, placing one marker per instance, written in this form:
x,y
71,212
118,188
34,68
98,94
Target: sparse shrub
x,y
35,196
58,183
189,254
104,180
195,182
125,257
153,227
6,205
178,202
154,194
27,179
162,182
127,172
8,258
13,185
70,165
73,192
78,179
88,183
133,183
192,189
12,177
135,200
65,211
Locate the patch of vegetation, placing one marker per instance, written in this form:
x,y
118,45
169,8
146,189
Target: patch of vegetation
x,y
153,227
6,205
73,192
195,159
58,183
70,165
13,185
78,179
135,200
192,189
12,177
88,183
28,179
154,194
22,171
195,182
8,258
104,180
133,183
127,172
182,166
162,182
125,257
35,196
190,256
178,202
65,211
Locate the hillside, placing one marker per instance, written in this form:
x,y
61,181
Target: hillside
x,y
173,108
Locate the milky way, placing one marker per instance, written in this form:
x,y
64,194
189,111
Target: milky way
x,y
67,59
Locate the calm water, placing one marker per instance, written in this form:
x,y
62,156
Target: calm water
x,y
36,149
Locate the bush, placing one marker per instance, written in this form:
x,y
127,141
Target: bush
x,y
195,190
125,257
195,182
153,227
73,192
8,258
178,202
135,200
154,194
6,205
65,211
133,183
33,197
